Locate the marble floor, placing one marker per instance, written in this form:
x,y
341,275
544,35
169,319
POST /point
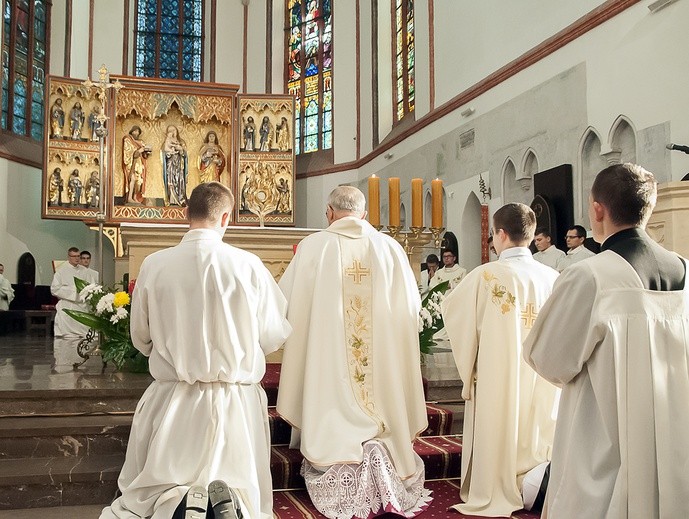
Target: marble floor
x,y
42,363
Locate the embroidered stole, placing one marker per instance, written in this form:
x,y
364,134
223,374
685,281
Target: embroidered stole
x,y
357,293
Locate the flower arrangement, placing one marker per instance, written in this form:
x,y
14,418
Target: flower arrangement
x,y
109,315
430,317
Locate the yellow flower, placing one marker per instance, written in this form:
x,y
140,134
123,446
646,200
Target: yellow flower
x,y
121,299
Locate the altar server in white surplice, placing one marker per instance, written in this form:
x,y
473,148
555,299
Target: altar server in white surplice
x,y
206,314
65,290
509,419
351,380
615,335
6,290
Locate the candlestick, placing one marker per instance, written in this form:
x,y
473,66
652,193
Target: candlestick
x,y
394,197
437,203
416,202
374,200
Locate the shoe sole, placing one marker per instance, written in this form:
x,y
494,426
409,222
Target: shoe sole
x,y
224,501
197,503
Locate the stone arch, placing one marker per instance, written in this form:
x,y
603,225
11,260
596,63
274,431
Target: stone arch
x,y
510,189
403,216
470,233
527,171
622,139
591,162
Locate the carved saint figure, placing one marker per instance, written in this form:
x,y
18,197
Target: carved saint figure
x,y
57,119
282,135
134,156
284,205
76,121
93,190
211,159
74,188
174,155
93,122
55,187
264,131
249,134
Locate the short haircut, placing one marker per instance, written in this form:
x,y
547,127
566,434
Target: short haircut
x,y
432,258
208,201
581,232
628,192
85,253
347,199
544,231
73,249
517,220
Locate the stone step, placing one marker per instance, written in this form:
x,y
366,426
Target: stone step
x,y
85,435
81,480
65,481
64,436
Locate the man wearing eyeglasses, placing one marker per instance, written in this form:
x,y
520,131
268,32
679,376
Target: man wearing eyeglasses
x,y
451,270
576,251
65,290
615,335
508,420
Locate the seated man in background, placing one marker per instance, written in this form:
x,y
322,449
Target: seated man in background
x,y
6,290
425,276
548,254
451,270
509,418
576,235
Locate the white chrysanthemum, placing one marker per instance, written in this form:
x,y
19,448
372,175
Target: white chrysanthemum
x,y
105,304
89,291
120,313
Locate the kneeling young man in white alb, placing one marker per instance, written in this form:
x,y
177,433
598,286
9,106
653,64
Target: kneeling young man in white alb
x,y
206,314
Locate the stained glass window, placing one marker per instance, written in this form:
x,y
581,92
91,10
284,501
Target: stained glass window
x,y
169,37
309,72
404,57
23,66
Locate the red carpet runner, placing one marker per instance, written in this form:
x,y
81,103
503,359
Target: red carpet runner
x,y
297,505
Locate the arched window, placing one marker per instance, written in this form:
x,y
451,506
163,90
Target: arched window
x,y
24,55
169,39
309,72
404,57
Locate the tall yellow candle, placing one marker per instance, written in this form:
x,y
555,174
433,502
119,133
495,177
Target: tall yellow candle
x,y
394,196
374,200
416,202
437,203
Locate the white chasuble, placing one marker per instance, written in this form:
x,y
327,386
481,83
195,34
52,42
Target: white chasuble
x,y
620,352
509,418
351,368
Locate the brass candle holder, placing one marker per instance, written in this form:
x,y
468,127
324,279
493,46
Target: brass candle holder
x,y
412,239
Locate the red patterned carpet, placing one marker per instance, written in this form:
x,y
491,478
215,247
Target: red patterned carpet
x,y
297,505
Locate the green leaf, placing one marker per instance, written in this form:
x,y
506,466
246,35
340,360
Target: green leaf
x,y
92,321
80,283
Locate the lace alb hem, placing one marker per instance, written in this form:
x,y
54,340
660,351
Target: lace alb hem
x,y
367,489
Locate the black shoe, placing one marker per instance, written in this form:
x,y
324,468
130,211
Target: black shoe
x,y
197,503
224,501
